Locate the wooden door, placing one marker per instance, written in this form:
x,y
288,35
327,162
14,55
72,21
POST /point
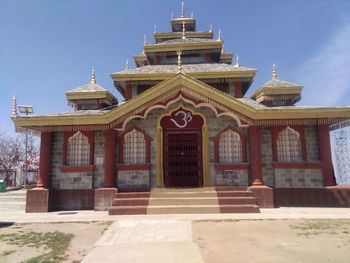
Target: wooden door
x,y
182,157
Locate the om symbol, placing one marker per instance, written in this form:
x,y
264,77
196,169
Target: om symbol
x,y
186,118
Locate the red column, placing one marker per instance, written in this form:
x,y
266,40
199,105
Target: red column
x,y
326,155
109,158
255,155
238,89
128,92
44,163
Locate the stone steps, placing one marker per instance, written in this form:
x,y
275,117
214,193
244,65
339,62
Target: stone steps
x,y
13,200
206,200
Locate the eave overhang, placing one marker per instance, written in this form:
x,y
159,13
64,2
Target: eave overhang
x,y
276,91
182,82
90,95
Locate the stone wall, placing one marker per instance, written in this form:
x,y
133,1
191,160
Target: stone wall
x,y
298,178
231,178
76,180
133,179
312,144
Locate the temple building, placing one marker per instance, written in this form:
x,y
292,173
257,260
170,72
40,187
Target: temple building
x,y
186,128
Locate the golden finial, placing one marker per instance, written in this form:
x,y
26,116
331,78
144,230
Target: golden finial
x,y
154,29
219,38
211,28
274,72
127,65
237,65
192,15
172,16
179,63
14,106
183,30
144,40
182,9
93,78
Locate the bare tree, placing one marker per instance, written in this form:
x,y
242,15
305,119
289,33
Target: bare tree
x,y
12,153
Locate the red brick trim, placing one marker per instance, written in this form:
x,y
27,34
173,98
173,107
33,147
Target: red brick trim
x,y
76,169
148,140
227,166
67,135
303,165
128,167
216,141
275,130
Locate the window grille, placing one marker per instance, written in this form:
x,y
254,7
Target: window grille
x,y
134,148
78,150
289,146
230,147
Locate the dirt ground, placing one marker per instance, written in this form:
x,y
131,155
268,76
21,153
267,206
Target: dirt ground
x,y
85,234
273,240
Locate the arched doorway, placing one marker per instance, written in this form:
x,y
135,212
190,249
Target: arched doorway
x,y
182,149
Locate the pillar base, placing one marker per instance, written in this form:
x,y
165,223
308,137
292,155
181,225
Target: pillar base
x,y
103,198
263,195
37,200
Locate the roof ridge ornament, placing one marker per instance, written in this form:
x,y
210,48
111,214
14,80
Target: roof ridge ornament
x,y
93,77
274,72
192,15
179,62
211,28
14,106
219,38
172,16
222,49
127,65
183,30
144,40
182,10
154,29
237,65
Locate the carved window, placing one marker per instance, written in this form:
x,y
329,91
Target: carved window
x,y
134,148
78,150
289,147
230,147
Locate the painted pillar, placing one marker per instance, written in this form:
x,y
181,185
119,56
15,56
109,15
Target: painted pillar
x,y
128,91
109,158
326,155
44,163
238,89
255,155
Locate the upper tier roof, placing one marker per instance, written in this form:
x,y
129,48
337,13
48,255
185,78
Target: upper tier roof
x,y
187,68
184,40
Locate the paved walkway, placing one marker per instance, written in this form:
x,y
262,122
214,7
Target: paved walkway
x,y
158,238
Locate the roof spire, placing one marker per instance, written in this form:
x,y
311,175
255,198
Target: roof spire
x,y
183,30
93,78
154,29
182,9
192,15
144,40
179,63
172,16
219,38
211,28
127,65
274,72
237,65
14,106
222,49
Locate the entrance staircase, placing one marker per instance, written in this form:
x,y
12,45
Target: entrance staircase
x,y
13,200
206,200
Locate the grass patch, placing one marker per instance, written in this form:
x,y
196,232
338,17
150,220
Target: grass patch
x,y
7,252
54,242
316,227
